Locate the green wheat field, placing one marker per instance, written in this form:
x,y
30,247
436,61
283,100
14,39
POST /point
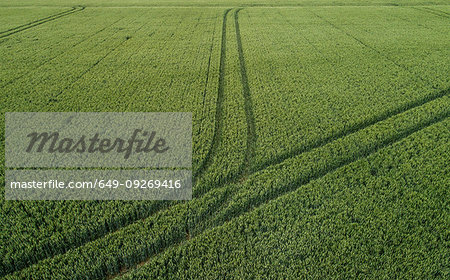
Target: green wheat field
x,y
320,136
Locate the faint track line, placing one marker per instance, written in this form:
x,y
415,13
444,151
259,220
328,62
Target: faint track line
x,y
248,104
36,21
394,139
377,147
96,63
41,21
209,64
432,11
306,38
411,22
58,55
371,48
158,207
207,75
437,10
328,140
291,187
413,104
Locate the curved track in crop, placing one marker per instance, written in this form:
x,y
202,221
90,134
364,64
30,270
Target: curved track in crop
x,y
248,104
218,119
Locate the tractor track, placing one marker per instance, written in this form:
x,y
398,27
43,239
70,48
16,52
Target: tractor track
x,y
369,122
432,11
38,22
205,89
296,185
162,205
256,202
248,103
218,120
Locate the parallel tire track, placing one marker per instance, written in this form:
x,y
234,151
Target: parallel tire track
x,y
40,21
159,205
248,104
256,202
371,121
162,205
207,75
292,187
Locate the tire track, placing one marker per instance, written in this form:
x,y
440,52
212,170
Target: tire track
x,y
383,144
261,198
330,139
248,104
207,79
292,187
432,11
219,104
369,122
38,20
218,120
209,65
24,27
